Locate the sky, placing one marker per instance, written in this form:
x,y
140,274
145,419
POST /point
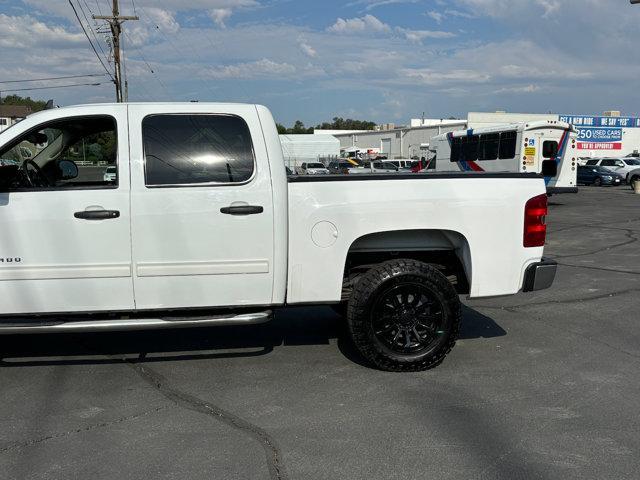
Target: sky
x,y
378,60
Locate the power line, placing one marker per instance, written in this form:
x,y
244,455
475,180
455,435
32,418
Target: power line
x,y
95,37
56,86
155,74
90,42
53,78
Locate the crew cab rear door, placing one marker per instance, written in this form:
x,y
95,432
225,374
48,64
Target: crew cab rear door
x,y
64,223
202,214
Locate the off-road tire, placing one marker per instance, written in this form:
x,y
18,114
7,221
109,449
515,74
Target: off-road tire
x,y
372,285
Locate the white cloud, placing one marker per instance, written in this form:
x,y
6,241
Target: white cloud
x,y
371,4
163,18
417,36
28,32
307,49
219,15
428,76
437,16
259,68
531,88
366,24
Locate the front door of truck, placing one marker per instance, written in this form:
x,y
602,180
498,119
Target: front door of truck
x,y
202,215
64,223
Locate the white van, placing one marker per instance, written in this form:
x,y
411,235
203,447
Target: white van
x,y
547,147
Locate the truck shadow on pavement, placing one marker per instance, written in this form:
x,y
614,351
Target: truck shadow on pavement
x,y
291,327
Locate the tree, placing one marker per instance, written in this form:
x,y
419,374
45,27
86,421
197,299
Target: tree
x,y
348,124
337,124
36,105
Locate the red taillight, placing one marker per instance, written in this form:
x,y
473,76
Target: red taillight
x,y
535,228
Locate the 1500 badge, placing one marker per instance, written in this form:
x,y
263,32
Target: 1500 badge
x,y
10,259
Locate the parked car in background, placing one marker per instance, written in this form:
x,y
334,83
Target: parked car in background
x,y
313,169
110,174
402,164
632,177
598,176
340,166
376,167
622,166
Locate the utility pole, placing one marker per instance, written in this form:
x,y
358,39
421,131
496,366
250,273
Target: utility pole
x,y
115,22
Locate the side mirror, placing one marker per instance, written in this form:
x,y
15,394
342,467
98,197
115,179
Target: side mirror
x,y
67,170
549,168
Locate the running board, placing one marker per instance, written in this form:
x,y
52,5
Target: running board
x,y
54,325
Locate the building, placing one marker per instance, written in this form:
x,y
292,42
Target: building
x,y
299,149
399,142
607,135
10,114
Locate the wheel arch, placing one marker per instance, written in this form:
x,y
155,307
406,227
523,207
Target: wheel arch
x,y
447,249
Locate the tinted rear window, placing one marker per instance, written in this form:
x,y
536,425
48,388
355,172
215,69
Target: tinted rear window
x,y
196,149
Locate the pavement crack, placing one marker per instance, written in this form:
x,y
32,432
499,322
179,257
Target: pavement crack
x,y
627,272
273,455
629,234
88,428
513,308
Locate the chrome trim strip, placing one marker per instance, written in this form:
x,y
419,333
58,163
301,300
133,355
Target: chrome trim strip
x,y
120,325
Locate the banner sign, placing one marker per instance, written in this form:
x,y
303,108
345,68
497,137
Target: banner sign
x,y
588,121
600,133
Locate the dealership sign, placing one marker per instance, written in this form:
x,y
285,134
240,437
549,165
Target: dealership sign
x,y
600,133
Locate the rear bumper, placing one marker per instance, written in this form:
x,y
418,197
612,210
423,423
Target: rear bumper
x,y
540,275
558,190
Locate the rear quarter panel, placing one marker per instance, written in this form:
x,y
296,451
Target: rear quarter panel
x,y
488,212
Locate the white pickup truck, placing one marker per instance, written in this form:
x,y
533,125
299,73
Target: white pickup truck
x,y
198,224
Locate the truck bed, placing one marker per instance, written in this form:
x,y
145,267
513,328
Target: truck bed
x,y
477,216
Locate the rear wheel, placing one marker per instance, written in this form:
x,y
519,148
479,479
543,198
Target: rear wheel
x,y
404,315
597,182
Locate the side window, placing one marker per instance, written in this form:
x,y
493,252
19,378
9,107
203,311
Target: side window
x,y
507,145
456,149
470,147
64,154
608,163
489,144
550,149
592,162
197,149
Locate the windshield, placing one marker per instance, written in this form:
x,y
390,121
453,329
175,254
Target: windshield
x,y
315,165
632,162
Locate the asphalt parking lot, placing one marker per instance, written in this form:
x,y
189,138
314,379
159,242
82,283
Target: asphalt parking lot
x,y
540,386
